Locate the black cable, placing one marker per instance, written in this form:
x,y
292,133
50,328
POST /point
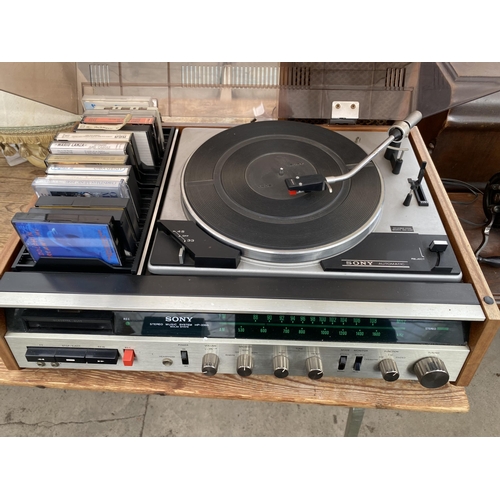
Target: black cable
x,y
487,225
456,202
474,190
457,182
476,224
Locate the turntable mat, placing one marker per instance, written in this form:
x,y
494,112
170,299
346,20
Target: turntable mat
x,y
234,185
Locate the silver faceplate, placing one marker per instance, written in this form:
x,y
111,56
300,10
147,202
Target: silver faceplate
x,y
164,354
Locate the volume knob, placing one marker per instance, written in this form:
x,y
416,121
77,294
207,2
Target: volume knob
x,y
210,364
431,372
314,367
389,370
280,366
244,365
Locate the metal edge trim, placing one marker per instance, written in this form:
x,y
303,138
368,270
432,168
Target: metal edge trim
x,y
159,201
458,312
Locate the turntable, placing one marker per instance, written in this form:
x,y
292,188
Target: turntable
x,y
232,185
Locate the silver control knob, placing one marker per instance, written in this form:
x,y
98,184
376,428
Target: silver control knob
x,y
314,367
281,366
389,370
244,365
210,364
431,372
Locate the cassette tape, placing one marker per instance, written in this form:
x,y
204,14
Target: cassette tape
x,y
84,237
126,237
89,169
91,204
81,186
88,186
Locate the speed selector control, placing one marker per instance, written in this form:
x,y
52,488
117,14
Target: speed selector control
x,y
281,366
431,372
244,365
210,364
314,367
389,370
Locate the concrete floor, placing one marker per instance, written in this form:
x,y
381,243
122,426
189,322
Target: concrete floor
x,y
53,412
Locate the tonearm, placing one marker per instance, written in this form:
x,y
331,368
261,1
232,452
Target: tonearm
x,y
316,182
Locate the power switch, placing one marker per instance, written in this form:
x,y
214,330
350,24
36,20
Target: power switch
x,y
184,358
128,357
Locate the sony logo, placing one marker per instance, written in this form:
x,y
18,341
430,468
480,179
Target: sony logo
x,y
178,319
375,263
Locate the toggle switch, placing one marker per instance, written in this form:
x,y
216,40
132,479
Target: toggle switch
x,y
357,363
184,358
342,362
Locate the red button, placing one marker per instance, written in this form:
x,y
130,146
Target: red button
x,y
128,357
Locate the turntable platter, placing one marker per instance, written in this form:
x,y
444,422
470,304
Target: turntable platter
x,y
234,187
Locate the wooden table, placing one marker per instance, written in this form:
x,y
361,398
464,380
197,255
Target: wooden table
x,y
16,194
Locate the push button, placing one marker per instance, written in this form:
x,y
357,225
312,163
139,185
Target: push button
x,y
41,354
128,357
70,355
102,356
184,358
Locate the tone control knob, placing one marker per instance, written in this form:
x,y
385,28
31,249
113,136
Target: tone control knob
x,y
244,365
431,372
281,366
314,367
210,364
389,370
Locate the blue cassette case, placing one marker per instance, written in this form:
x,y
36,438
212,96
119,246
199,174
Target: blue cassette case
x,y
85,238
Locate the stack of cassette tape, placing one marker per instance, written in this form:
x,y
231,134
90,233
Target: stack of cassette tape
x,y
101,182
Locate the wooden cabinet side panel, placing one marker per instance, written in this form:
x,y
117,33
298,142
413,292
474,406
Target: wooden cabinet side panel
x,y
481,335
7,257
5,353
